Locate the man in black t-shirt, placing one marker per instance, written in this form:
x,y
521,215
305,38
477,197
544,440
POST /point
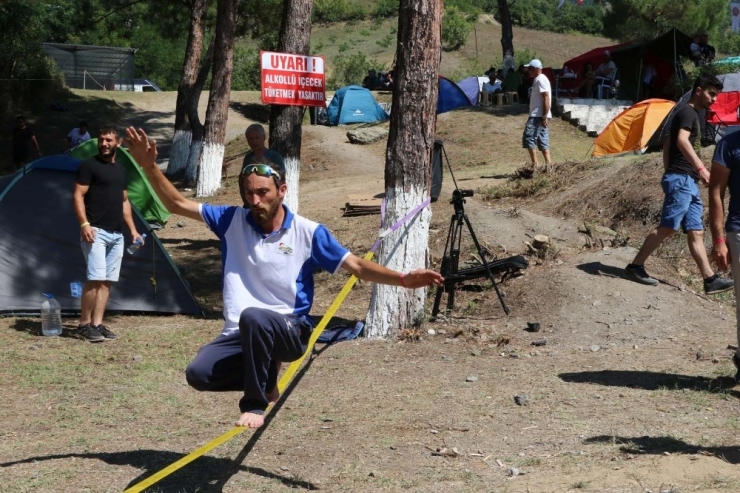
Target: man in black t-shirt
x,y
102,208
23,137
682,205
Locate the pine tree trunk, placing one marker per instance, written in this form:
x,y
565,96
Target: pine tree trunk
x,y
407,166
285,121
212,152
190,68
507,29
197,128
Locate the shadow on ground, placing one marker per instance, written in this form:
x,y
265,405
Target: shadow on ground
x,y
252,111
648,380
599,269
205,474
663,444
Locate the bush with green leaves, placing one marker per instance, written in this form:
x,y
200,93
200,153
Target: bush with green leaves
x,y
456,27
385,8
386,41
343,47
246,74
356,11
544,15
317,48
349,69
330,10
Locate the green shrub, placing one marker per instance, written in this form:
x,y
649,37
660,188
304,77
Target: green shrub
x,y
317,49
333,38
365,33
330,10
385,8
348,69
386,41
356,12
456,27
246,74
343,47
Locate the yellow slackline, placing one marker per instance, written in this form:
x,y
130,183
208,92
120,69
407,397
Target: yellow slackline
x,y
282,384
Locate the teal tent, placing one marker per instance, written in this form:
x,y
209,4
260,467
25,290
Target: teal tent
x,y
354,104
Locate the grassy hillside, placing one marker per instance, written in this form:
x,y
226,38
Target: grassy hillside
x,y
376,40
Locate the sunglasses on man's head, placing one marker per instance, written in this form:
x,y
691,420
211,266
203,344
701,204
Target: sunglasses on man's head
x,y
261,170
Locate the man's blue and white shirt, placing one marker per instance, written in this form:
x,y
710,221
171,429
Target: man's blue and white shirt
x,y
273,271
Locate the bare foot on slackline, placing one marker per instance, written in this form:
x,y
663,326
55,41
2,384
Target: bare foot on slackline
x,y
272,396
251,420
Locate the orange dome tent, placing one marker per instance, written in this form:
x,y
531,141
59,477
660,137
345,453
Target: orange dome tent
x,y
631,130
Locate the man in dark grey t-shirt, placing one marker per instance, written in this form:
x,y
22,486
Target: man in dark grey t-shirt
x,y
683,206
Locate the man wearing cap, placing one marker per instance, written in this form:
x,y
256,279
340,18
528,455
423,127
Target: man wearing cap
x,y
269,256
536,133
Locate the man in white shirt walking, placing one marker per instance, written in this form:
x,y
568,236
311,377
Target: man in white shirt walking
x,y
78,135
536,130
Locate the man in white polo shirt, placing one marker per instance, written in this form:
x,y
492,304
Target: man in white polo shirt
x,y
269,256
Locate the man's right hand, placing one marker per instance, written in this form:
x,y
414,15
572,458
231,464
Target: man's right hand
x,y
704,176
87,234
141,148
721,255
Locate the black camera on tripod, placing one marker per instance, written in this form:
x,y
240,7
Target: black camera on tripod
x,y
459,194
450,267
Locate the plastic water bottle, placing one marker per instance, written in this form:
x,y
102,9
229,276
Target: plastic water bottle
x,y
51,316
135,246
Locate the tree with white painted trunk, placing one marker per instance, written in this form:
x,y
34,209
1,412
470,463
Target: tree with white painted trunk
x,y
286,131
407,166
212,152
190,68
197,130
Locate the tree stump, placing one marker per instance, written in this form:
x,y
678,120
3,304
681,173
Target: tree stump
x,y
540,241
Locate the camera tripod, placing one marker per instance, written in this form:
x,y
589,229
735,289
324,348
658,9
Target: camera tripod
x,y
451,259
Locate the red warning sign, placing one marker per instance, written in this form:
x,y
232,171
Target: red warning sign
x,y
292,80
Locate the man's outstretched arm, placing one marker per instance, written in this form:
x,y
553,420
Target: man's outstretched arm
x,y
144,152
372,272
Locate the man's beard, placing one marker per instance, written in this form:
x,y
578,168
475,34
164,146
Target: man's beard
x,y
110,153
266,215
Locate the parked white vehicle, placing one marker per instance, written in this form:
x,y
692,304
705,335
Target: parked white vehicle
x,y
139,85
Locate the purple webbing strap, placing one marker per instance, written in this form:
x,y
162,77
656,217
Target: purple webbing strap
x,y
405,218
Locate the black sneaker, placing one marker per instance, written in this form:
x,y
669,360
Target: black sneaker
x,y
106,332
716,284
736,362
638,274
87,333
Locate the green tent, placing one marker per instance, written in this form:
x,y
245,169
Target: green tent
x,y
140,192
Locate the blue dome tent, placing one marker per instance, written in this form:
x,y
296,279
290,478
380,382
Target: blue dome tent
x,y
354,104
451,96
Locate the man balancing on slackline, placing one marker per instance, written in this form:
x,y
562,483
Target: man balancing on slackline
x,y
269,255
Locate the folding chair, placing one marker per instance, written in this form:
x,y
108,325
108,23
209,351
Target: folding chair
x,y
725,112
605,84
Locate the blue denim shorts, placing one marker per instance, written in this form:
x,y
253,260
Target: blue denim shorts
x,y
535,135
103,256
682,205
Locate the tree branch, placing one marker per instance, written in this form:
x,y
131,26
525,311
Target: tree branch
x,y
134,2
